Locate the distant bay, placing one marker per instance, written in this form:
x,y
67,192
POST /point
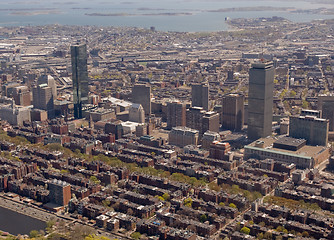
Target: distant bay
x,y
168,15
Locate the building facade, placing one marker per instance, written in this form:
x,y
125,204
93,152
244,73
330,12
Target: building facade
x,y
60,192
260,100
176,114
43,97
326,105
233,112
50,81
314,130
183,136
303,156
201,120
200,96
22,96
137,113
141,94
79,78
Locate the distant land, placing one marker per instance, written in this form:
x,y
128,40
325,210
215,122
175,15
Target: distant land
x,y
135,14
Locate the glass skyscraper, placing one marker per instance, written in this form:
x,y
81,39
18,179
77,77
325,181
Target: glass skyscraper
x,y
79,78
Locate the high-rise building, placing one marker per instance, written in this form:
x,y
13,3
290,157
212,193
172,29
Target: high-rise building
x,y
201,120
141,94
60,192
200,95
194,116
176,114
326,105
136,113
233,112
260,100
22,96
43,97
50,81
314,130
210,122
79,78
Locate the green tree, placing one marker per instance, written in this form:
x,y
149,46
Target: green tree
x,y
94,237
34,234
188,202
160,198
245,230
135,235
232,205
203,218
293,93
166,196
94,180
214,186
279,229
268,235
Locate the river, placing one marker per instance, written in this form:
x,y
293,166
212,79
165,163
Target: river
x,y
16,223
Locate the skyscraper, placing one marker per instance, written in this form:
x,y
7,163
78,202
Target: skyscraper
x,y
60,192
141,94
314,130
260,100
200,96
50,81
176,114
233,112
136,113
326,105
42,97
79,78
201,120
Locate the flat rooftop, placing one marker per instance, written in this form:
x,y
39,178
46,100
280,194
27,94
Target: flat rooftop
x,y
289,141
305,151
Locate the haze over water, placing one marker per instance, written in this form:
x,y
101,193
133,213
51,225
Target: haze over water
x,y
168,15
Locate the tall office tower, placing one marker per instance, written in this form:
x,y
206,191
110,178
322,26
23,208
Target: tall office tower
x,y
233,112
141,94
22,96
200,95
176,114
199,119
194,119
326,105
50,81
60,192
260,100
79,78
210,122
314,130
136,113
43,97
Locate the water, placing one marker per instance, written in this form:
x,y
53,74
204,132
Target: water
x,y
16,223
73,12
